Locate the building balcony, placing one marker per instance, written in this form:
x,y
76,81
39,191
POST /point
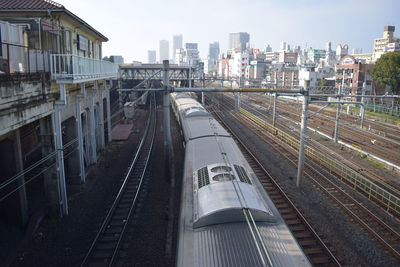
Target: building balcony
x,y
67,68
21,63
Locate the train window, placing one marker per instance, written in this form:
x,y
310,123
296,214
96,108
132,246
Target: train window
x,y
221,169
223,177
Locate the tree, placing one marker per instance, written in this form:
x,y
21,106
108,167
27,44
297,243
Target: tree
x,y
387,72
322,83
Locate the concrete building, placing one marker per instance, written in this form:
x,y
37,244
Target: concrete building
x,y
385,44
351,73
163,52
272,56
282,76
188,56
176,44
283,46
308,73
151,57
256,70
341,51
287,57
180,57
192,57
239,40
213,53
314,55
54,102
238,64
117,59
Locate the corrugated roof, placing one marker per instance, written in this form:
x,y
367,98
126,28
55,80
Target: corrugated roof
x,y
29,4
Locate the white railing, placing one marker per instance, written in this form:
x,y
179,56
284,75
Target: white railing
x,y
75,68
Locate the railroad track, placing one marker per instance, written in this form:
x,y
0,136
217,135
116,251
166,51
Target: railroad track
x,y
367,141
386,184
378,229
105,247
313,246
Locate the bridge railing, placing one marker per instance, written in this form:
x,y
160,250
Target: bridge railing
x,y
72,67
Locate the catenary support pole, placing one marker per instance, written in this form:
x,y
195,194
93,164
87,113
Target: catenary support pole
x,y
303,132
335,135
237,100
362,108
274,110
166,123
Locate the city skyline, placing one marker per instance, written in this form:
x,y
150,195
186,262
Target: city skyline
x,y
312,23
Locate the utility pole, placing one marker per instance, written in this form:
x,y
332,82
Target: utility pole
x,y
362,109
335,136
274,110
303,132
166,123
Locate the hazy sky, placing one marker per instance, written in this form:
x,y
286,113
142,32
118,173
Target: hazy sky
x,y
133,27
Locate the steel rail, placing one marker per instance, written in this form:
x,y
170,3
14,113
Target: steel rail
x,y
361,221
111,211
255,163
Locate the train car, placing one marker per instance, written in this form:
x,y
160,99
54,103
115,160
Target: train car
x,y
226,217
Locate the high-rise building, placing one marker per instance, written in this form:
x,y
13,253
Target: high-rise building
x,y
176,44
163,52
151,56
239,40
192,54
213,51
283,46
212,60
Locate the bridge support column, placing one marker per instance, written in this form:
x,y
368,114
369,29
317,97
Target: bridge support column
x,y
82,173
19,166
108,112
51,181
92,131
60,153
101,117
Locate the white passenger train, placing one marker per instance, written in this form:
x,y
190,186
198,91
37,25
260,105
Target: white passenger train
x,y
226,217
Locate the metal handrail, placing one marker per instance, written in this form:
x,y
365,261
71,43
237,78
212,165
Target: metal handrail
x,y
18,59
68,66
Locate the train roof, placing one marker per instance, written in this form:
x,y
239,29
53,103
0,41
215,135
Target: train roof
x,y
214,230
202,126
